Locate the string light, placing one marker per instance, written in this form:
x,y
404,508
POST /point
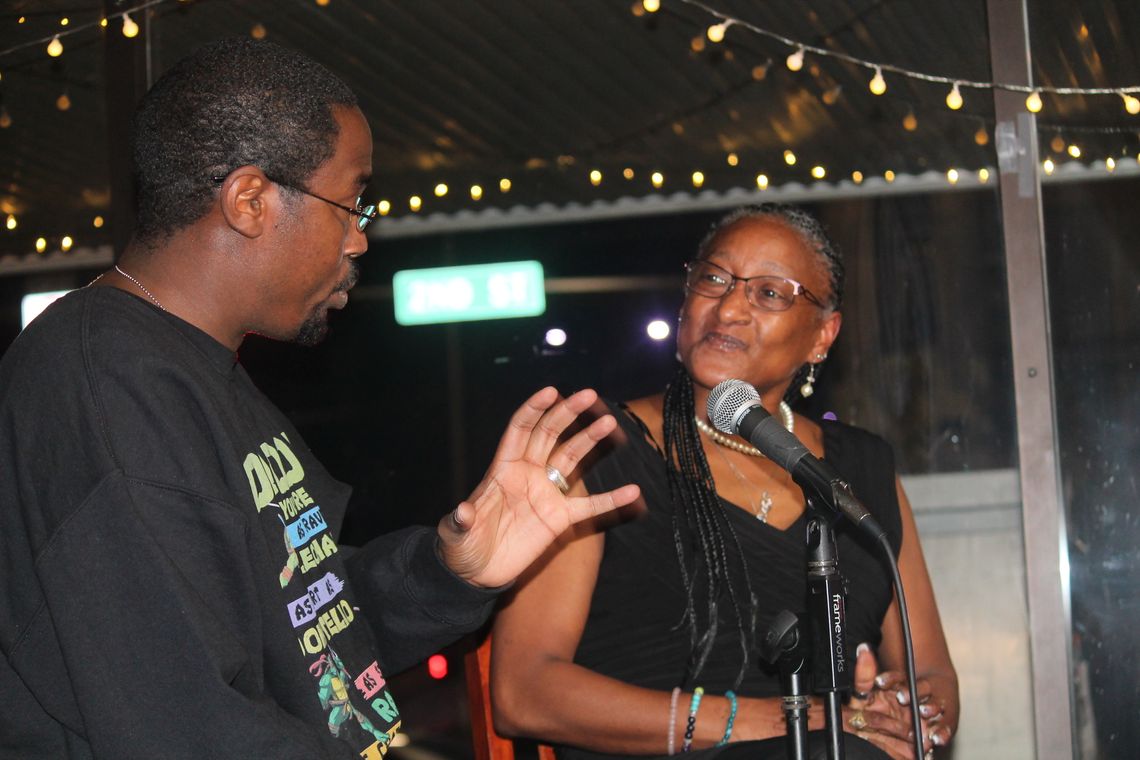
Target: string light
x,y
5,118
954,98
1131,104
55,47
504,185
857,177
65,243
384,207
657,178
440,190
64,21
910,121
258,31
759,73
103,22
41,245
97,222
1048,165
595,177
789,158
877,85
1075,150
982,136
831,96
732,159
889,175
983,175
11,223
651,6
130,28
698,179
1110,164
818,172
476,192
1033,102
762,181
795,61
627,173
715,33
415,203
952,176
63,102
323,3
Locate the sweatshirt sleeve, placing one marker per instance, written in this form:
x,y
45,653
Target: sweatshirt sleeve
x,y
149,618
413,602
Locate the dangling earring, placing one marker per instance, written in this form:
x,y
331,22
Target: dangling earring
x,y
808,387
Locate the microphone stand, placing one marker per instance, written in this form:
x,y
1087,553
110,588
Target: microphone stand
x,y
784,647
827,602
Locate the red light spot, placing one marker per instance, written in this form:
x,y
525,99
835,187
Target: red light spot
x,y
437,666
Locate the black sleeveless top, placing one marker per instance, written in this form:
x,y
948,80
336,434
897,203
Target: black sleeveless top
x,y
634,630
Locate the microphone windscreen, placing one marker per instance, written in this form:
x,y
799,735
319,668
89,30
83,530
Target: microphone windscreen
x,y
727,403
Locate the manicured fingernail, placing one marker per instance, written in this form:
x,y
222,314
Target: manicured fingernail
x,y
880,681
926,710
862,648
937,739
902,697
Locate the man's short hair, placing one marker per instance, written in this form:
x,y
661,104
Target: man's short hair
x,y
232,103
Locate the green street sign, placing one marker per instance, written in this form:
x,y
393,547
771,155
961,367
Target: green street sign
x,y
469,293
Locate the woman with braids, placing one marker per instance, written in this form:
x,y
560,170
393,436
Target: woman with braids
x,y
640,636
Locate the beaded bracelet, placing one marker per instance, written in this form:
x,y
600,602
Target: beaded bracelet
x,y
687,743
731,697
673,719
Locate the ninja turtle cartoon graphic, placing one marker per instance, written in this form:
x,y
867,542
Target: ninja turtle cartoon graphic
x,y
332,689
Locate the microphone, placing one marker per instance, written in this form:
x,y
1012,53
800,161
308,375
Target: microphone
x,y
734,408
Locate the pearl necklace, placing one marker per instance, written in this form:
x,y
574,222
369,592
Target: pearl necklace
x,y
141,287
744,448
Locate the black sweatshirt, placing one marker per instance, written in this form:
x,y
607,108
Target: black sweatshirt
x,y
170,585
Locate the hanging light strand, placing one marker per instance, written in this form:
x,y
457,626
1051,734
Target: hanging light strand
x,y
801,47
71,29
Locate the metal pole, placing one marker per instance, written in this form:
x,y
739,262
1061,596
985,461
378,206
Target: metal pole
x,y
1043,520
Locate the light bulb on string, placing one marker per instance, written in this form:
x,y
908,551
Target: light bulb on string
x,y
982,136
258,31
762,181
504,185
440,190
877,85
595,177
63,102
952,176
130,28
55,47
818,172
384,207
1048,165
651,6
5,118
11,223
65,243
1131,104
715,33
795,61
415,203
983,175
789,158
64,21
857,177
627,173
732,159
1033,102
657,178
323,3
1074,150
476,192
698,179
954,98
1057,144
97,222
910,121
1110,164
41,244
103,22
831,96
889,175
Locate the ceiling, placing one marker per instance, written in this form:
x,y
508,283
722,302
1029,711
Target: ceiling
x,y
543,92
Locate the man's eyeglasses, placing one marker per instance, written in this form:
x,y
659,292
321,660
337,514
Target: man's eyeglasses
x,y
765,292
365,215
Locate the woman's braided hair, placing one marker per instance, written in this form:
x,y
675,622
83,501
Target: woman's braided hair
x,y
712,563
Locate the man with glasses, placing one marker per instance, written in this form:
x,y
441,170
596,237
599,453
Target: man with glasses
x,y
171,585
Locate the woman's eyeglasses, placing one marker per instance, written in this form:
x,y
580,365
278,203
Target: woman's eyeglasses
x,y
765,292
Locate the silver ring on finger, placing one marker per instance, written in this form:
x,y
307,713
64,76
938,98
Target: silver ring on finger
x,y
555,477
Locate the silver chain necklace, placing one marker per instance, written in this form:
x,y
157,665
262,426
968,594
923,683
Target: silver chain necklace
x,y
141,287
760,510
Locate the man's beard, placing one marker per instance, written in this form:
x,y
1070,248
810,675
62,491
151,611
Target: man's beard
x,y
316,327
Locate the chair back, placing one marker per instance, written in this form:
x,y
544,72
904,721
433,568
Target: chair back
x,y
488,744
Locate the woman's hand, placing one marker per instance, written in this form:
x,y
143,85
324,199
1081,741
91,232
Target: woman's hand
x,y
879,710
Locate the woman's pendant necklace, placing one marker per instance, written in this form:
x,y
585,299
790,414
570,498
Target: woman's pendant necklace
x,y
759,509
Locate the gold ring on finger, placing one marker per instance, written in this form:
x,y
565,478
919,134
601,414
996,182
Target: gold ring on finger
x,y
858,721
